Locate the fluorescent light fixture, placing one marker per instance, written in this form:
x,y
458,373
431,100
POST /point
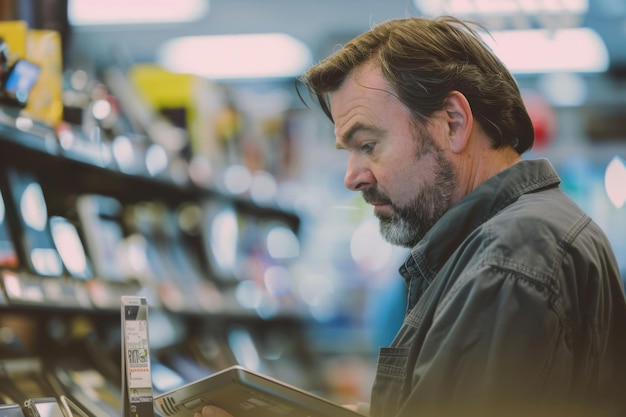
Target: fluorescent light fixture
x,y
115,12
547,51
270,55
464,8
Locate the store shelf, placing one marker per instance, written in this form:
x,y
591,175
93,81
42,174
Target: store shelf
x,y
62,327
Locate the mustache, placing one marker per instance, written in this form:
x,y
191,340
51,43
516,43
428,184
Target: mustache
x,y
373,195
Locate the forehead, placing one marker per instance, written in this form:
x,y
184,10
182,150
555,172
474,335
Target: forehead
x,y
363,83
364,97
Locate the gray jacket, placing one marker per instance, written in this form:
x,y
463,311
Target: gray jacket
x,y
515,304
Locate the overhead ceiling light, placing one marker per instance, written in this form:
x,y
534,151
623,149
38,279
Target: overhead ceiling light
x,y
115,12
546,51
270,55
463,8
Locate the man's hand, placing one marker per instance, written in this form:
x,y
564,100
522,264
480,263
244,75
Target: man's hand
x,y
210,411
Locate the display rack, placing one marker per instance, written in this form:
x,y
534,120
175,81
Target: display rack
x,y
77,233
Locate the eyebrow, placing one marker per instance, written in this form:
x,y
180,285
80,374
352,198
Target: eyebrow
x,y
344,141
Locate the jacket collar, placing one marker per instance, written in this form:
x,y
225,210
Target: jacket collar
x,y
482,203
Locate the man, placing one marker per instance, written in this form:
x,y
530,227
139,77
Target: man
x,y
515,306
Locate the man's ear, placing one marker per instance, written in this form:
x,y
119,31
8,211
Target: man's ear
x,y
460,120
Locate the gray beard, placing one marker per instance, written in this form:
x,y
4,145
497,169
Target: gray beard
x,y
408,225
398,231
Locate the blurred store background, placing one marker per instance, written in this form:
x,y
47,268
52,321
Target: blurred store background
x,y
164,141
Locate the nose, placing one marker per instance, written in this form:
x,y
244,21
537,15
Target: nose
x,y
358,174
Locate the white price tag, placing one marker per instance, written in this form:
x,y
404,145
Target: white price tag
x,y
137,356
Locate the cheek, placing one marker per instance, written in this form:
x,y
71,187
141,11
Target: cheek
x,y
400,181
409,178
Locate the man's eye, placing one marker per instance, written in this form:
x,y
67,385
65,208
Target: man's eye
x,y
368,148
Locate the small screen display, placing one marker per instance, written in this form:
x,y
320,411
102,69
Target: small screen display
x,y
11,410
49,409
21,80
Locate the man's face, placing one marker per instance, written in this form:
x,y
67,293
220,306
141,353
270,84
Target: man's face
x,y
400,168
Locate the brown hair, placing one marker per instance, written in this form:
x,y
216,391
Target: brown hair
x,y
424,60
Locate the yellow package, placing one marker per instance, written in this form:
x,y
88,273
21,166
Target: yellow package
x,y
45,101
13,32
